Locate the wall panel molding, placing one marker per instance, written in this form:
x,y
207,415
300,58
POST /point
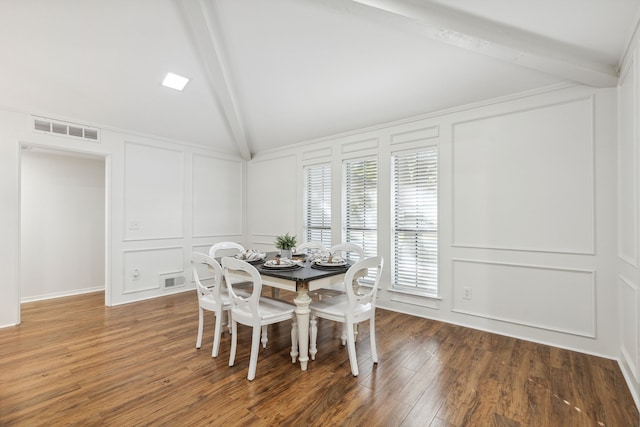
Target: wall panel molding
x,y
429,132
146,260
361,145
217,200
273,197
150,213
516,293
515,206
630,325
628,165
317,154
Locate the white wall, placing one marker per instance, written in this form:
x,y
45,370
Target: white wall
x,y
526,212
63,225
628,232
11,126
164,200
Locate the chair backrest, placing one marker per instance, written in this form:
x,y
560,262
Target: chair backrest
x,y
347,248
200,259
231,266
365,294
221,246
317,246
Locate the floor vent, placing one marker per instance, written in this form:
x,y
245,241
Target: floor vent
x,y
172,280
42,124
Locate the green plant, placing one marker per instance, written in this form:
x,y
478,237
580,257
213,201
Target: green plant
x,y
285,242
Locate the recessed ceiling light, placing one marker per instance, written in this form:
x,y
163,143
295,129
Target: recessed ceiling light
x,y
175,81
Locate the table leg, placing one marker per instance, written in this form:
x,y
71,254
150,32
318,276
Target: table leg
x,y
302,302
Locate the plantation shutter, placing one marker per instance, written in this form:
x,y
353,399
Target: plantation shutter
x,y
317,205
361,204
415,221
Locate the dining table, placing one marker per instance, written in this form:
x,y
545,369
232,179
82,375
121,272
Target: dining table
x,y
306,277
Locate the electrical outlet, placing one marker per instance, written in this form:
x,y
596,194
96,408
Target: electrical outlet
x,y
135,273
134,225
466,293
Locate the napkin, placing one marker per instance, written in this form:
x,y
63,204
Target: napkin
x,y
251,255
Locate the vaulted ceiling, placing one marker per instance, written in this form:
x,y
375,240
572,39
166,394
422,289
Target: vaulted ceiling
x,y
267,73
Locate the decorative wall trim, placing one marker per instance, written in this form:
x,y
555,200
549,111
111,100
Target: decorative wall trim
x,y
263,240
273,212
591,292
156,286
317,154
524,249
415,135
455,242
201,247
151,249
362,145
629,70
126,226
220,238
633,364
217,236
240,214
153,239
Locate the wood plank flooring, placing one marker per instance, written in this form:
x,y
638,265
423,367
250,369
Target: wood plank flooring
x,y
75,362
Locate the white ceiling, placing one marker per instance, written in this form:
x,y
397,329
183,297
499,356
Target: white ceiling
x,y
270,73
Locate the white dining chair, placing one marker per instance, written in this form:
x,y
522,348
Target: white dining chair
x,y
213,297
312,246
346,251
231,248
255,311
220,249
350,309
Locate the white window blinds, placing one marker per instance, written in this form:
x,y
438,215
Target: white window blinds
x,y
415,221
317,203
361,204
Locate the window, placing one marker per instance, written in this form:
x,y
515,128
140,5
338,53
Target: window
x,y
317,205
361,204
415,221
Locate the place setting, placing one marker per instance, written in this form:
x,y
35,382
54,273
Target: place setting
x,y
282,264
252,256
329,262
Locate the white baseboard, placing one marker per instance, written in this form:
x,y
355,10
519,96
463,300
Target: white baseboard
x,y
61,294
631,384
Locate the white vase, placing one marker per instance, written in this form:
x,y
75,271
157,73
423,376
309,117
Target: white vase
x,y
285,253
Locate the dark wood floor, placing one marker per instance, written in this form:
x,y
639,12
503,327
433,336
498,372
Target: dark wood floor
x,y
75,362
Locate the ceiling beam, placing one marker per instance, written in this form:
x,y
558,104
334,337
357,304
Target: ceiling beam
x,y
485,37
199,16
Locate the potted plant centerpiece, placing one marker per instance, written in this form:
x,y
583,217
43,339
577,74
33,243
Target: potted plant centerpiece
x,y
285,243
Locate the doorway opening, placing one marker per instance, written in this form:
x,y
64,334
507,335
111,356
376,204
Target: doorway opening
x,y
64,246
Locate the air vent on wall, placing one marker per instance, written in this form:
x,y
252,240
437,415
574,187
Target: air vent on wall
x,y
42,124
172,280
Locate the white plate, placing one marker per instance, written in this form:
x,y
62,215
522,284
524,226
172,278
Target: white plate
x,y
283,264
334,263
